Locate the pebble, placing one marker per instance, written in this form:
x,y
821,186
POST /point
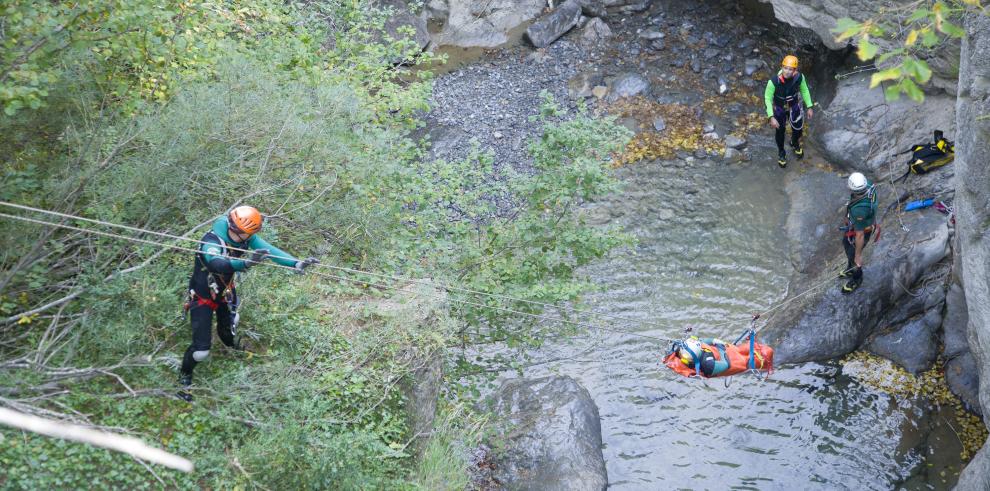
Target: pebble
x,y
659,123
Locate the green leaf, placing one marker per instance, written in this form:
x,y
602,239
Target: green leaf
x,y
867,50
928,38
884,75
952,29
918,15
912,90
890,54
922,72
892,93
846,28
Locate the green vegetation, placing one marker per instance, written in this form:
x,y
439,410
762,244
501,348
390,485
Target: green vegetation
x,y
162,116
915,33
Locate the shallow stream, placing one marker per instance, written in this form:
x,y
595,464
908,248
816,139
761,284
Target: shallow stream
x,y
718,255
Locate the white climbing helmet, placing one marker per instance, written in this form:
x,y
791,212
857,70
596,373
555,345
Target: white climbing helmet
x,y
689,350
857,182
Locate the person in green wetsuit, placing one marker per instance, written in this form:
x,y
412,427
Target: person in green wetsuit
x,y
783,97
701,351
860,216
211,286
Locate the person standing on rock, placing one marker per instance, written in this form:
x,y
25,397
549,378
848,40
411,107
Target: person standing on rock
x,y
860,214
783,97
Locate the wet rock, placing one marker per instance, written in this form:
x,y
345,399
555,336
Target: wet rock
x,y
485,24
711,53
594,33
752,65
628,85
658,45
912,346
659,123
552,440
553,25
700,153
708,127
696,65
581,85
599,91
827,324
746,44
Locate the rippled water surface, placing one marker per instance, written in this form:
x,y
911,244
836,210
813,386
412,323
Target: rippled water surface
x,y
711,251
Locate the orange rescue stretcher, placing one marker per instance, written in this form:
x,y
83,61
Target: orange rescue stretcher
x,y
738,356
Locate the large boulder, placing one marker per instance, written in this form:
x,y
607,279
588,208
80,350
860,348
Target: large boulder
x,y
469,23
913,345
404,24
824,323
555,24
552,437
973,214
861,131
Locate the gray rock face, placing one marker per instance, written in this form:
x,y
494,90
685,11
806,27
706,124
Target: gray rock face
x,y
954,325
963,376
592,8
913,346
973,214
816,202
733,141
554,440
829,324
469,23
628,85
555,24
863,132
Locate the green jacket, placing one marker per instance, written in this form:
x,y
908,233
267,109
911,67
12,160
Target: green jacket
x,y
781,90
213,251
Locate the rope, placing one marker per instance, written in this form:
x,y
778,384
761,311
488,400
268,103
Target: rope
x,y
344,278
445,287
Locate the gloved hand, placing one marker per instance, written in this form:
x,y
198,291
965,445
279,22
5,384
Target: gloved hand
x,y
305,263
257,256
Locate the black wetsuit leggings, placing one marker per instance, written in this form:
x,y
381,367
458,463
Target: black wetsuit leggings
x,y
849,244
201,318
793,117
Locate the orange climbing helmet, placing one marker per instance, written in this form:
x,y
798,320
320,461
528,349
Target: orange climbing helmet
x,y
790,61
245,219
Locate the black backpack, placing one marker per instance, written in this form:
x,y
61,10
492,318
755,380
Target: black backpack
x,y
926,157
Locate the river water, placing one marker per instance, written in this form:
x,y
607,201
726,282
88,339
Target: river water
x,y
711,251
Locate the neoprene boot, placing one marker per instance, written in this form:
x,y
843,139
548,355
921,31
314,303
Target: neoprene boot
x,y
782,158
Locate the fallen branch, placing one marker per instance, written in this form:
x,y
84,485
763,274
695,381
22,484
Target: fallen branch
x,y
131,446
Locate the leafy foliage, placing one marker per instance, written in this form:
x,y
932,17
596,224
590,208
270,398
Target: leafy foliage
x,y
906,67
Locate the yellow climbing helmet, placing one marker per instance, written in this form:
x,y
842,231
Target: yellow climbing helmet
x,y
790,61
